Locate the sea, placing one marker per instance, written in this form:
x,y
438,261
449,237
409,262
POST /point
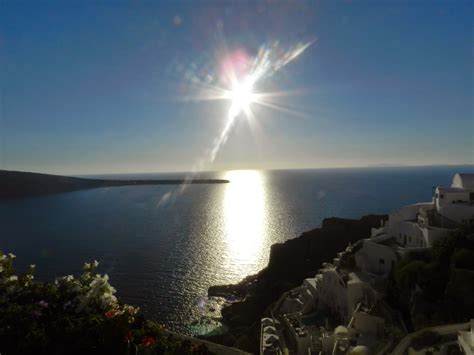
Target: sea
x,y
163,246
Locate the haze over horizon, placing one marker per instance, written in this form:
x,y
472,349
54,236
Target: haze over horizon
x,y
90,88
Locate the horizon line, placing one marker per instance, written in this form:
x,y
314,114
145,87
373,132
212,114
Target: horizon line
x,y
371,166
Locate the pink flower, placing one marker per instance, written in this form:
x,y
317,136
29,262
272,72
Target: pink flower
x,y
111,313
148,341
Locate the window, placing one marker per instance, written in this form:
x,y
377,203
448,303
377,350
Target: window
x,y
381,261
436,195
441,196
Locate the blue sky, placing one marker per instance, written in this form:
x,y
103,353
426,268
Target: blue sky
x,y
99,86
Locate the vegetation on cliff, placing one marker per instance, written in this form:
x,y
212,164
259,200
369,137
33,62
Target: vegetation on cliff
x,y
75,315
436,287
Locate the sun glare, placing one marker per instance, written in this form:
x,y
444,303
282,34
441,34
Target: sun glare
x,y
242,95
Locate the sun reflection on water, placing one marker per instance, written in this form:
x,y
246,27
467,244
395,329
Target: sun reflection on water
x,y
244,219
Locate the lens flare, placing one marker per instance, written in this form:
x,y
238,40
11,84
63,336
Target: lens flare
x,y
241,74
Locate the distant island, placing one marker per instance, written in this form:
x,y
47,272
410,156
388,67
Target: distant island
x,y
17,184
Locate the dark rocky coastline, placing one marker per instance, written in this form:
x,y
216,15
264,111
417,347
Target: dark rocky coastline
x,y
17,184
289,264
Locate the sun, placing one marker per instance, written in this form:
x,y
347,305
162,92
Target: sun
x,y
242,95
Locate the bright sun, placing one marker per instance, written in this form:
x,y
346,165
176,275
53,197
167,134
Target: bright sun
x,y
242,95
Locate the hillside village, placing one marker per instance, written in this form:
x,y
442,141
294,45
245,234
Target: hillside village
x,y
344,308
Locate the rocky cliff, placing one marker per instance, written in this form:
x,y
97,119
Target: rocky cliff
x,y
289,264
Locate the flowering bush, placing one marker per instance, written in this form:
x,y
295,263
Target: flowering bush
x,y
75,315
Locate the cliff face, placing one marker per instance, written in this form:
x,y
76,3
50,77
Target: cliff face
x,y
289,264
301,257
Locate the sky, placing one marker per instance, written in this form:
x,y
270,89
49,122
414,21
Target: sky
x,y
113,86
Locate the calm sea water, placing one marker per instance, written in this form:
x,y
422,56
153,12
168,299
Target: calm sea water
x,y
163,256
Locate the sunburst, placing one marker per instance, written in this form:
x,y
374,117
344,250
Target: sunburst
x,y
242,74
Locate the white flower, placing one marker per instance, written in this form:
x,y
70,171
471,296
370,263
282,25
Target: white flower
x,y
12,256
95,263
87,265
13,278
3,257
1,268
32,266
107,300
131,310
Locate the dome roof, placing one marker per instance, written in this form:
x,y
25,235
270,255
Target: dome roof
x,y
340,330
464,181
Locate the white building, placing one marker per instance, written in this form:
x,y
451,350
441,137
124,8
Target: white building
x,y
374,257
418,226
341,291
456,203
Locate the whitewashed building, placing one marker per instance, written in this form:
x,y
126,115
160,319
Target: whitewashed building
x,y
456,203
418,226
341,291
376,255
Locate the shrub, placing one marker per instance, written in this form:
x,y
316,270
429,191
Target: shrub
x,y
75,315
